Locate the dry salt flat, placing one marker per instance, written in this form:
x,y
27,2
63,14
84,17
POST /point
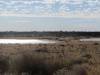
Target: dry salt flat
x,y
25,41
91,39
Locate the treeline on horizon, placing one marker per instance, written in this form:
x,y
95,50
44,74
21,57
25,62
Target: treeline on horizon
x,y
48,33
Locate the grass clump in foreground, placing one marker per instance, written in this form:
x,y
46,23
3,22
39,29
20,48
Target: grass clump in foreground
x,y
29,63
4,64
37,64
33,63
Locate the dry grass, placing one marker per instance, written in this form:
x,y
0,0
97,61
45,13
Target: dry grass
x,y
70,57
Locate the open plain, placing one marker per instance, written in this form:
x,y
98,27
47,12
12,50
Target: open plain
x,y
68,56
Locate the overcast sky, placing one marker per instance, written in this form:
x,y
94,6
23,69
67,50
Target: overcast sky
x,y
43,15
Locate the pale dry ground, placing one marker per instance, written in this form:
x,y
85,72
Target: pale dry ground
x,y
67,57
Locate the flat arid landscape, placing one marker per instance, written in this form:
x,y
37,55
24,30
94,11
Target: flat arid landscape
x,y
49,37
69,54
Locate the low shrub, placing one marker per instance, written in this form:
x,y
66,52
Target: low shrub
x,y
4,64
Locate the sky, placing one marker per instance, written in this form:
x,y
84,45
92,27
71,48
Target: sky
x,y
49,15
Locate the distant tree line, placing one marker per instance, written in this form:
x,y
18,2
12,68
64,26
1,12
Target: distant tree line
x,y
49,33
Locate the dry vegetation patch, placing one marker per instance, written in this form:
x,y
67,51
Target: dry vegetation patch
x,y
65,58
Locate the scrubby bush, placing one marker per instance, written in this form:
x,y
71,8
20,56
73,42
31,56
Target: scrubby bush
x,y
96,43
41,50
80,70
76,70
36,64
88,56
4,64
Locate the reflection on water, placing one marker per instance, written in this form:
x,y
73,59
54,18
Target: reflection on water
x,y
25,41
90,39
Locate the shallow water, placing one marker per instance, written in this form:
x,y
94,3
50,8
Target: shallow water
x,y
25,41
90,39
